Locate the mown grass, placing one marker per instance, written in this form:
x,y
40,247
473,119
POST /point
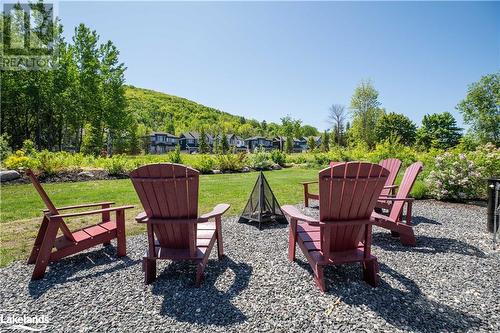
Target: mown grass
x,y
20,205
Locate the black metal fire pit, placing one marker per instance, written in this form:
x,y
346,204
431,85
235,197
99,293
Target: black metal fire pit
x,y
494,207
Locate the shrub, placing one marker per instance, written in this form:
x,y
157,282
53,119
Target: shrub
x,y
393,149
50,163
204,164
230,162
19,160
116,165
454,178
29,147
260,160
278,157
175,156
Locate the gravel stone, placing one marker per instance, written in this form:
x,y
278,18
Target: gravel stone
x,y
447,283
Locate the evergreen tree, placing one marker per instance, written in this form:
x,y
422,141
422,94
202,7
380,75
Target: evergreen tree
x,y
203,145
311,143
325,142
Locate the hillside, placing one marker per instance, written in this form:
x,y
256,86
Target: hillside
x,y
158,111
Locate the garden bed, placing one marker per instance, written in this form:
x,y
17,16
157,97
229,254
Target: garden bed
x,y
445,283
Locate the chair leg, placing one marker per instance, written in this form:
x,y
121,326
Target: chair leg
x,y
121,242
319,277
292,240
38,241
220,246
394,234
408,239
106,243
370,272
43,258
200,269
149,267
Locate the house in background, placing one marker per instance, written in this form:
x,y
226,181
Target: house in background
x,y
236,142
190,141
160,142
258,141
299,144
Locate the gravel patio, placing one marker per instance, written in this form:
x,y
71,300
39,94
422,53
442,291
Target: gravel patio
x,y
447,283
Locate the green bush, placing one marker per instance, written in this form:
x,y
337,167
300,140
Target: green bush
x,y
204,164
4,146
116,165
278,157
260,160
454,177
19,160
175,156
230,162
50,164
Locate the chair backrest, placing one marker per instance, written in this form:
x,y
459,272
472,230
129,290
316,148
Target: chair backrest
x,y
393,165
169,191
409,178
348,191
48,203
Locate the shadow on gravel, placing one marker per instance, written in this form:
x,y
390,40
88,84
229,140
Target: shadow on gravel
x,y
416,220
266,225
404,306
426,244
210,304
73,269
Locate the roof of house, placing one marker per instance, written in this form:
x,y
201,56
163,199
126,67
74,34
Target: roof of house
x,y
257,138
163,133
194,135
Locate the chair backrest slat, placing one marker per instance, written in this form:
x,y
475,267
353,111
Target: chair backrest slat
x,y
409,178
48,203
393,165
348,191
169,191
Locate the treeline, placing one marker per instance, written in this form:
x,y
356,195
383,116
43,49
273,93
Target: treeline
x,y
371,124
77,103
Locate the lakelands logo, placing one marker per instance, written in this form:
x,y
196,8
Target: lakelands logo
x,y
29,37
24,322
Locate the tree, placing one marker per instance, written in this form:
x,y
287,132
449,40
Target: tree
x,y
366,112
311,143
394,125
481,108
336,117
438,130
325,142
308,130
290,127
224,144
203,145
289,144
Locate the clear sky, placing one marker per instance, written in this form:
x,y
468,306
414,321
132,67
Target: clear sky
x,y
268,59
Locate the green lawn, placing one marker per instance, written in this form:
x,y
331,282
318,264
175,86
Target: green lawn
x,y
20,205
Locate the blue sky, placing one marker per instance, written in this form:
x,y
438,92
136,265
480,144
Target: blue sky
x,y
266,60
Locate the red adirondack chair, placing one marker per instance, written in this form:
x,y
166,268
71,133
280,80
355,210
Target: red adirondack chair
x,y
342,234
391,164
169,195
49,248
395,204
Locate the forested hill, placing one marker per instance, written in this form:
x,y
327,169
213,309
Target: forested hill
x,y
158,111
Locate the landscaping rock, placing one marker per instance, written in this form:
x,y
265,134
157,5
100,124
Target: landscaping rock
x,y
8,175
216,172
276,167
245,169
86,174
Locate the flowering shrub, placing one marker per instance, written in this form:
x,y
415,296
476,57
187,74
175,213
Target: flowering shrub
x,y
230,162
19,160
205,164
261,160
278,157
455,177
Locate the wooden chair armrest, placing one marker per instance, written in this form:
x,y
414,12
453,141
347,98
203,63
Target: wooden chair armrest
x,y
91,212
384,198
294,213
82,206
309,182
217,211
391,186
